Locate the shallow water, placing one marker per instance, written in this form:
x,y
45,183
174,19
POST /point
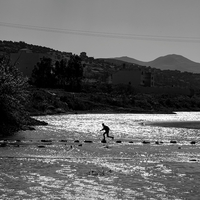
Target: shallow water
x,y
64,169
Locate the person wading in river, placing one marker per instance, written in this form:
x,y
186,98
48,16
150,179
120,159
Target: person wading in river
x,y
107,129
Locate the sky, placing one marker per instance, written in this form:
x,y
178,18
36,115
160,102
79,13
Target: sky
x,y
141,29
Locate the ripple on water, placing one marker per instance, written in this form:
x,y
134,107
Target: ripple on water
x,y
103,171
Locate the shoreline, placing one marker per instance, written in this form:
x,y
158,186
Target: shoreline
x,y
123,111
176,124
172,124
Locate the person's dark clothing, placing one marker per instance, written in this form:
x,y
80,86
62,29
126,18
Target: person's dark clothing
x,y
107,129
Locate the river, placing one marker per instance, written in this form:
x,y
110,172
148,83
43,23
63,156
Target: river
x,y
66,159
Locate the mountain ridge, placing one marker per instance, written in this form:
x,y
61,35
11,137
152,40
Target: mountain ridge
x,y
168,62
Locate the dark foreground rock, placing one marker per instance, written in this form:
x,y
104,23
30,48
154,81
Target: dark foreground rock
x,y
28,123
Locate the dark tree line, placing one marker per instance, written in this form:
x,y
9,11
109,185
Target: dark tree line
x,y
61,74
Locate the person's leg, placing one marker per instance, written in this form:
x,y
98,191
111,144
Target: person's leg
x,y
104,138
109,135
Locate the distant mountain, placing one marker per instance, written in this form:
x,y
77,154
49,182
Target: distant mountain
x,y
168,62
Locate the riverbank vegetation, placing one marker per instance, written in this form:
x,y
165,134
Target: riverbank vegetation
x,y
59,101
13,97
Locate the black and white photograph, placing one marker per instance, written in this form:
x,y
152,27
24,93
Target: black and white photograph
x,y
99,99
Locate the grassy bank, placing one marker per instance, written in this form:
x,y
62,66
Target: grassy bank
x,y
58,101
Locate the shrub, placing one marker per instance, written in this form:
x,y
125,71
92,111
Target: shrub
x,y
13,95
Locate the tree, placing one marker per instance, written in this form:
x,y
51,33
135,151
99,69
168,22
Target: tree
x,y
63,74
13,94
42,75
60,73
74,73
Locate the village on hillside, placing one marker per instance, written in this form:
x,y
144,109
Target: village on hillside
x,y
143,79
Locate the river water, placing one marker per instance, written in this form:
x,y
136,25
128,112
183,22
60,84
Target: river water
x,y
66,159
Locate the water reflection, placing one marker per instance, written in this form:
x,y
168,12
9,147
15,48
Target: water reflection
x,y
68,170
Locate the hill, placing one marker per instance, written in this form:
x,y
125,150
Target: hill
x,y
14,47
100,70
168,62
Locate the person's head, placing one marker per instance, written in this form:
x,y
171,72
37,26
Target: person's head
x,y
103,124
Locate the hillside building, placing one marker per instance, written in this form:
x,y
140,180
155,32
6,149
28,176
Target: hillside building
x,y
142,79
83,55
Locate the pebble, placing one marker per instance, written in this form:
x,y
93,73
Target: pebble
x,y
173,141
88,141
146,142
41,146
63,140
46,140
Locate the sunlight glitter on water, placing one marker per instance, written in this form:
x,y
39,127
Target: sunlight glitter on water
x,y
68,170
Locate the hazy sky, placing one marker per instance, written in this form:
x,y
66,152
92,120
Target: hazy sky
x,y
141,29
